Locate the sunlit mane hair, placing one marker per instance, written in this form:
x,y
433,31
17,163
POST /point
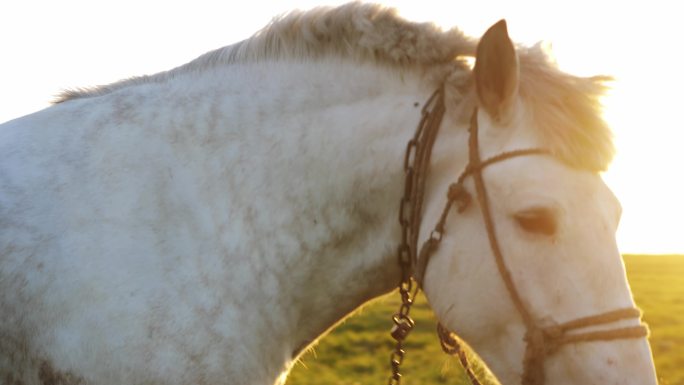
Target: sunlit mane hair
x,y
566,108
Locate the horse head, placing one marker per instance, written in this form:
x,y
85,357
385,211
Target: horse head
x,y
528,271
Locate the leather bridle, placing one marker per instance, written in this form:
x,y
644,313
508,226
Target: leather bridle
x,y
541,341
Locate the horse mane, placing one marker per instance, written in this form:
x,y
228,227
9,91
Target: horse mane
x,y
358,31
566,108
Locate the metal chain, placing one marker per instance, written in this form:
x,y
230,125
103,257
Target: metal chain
x,y
408,288
403,323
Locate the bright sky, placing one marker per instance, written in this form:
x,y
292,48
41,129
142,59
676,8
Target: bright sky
x,y
50,45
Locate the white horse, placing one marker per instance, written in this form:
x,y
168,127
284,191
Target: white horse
x,y
205,225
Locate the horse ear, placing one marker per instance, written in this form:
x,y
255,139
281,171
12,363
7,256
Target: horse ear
x,y
496,71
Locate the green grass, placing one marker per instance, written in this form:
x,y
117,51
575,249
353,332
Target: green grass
x,y
357,352
658,286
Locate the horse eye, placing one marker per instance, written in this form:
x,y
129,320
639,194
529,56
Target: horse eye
x,y
537,221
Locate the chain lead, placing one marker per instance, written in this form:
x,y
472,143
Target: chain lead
x,y
408,219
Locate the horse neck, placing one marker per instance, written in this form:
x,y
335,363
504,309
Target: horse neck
x,y
320,159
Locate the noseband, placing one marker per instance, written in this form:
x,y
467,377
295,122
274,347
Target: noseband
x,y
541,341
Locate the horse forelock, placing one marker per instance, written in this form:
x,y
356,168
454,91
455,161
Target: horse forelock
x,y
566,108
567,111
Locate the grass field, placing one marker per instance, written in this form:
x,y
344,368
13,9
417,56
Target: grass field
x,y
357,352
